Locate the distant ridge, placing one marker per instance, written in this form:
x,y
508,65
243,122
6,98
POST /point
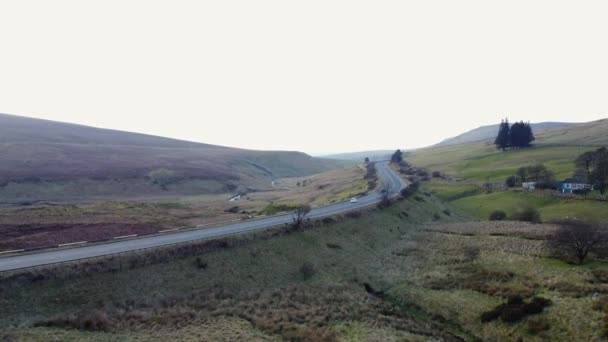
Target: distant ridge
x,y
489,132
361,155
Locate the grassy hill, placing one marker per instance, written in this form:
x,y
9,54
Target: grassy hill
x,y
481,161
42,159
489,132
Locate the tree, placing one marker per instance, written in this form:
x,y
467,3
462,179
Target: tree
x,y
397,157
577,239
366,160
497,215
299,215
522,174
593,166
600,170
511,181
540,173
503,138
527,214
385,201
584,165
521,135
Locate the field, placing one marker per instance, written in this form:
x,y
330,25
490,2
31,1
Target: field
x,y
557,148
401,273
52,223
482,162
480,203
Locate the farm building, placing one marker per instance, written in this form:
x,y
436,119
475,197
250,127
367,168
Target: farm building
x,y
571,185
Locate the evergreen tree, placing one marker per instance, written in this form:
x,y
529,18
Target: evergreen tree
x,y
521,134
503,138
397,157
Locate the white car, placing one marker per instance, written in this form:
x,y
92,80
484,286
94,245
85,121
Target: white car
x,y
354,200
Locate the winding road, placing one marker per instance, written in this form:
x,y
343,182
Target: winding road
x,y
391,181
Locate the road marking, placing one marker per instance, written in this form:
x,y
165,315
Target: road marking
x,y
125,236
72,243
13,251
168,230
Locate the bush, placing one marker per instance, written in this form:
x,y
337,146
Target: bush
x,y
471,253
497,215
233,210
201,264
307,270
436,174
528,214
515,309
511,181
411,189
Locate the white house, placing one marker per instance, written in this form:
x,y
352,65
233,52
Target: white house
x,y
531,186
570,185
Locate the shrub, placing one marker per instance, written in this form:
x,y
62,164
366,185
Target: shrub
x,y
511,181
410,189
528,214
333,245
497,215
436,217
447,212
515,309
233,210
471,253
200,263
307,270
436,174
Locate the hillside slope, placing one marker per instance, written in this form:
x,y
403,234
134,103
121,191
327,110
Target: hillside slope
x,y
481,161
489,132
42,159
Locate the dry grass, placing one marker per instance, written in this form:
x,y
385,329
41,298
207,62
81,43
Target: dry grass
x,y
513,261
49,224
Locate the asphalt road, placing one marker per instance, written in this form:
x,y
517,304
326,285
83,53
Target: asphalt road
x,y
385,174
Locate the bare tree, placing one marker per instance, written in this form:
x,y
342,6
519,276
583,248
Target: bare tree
x,y
577,239
299,215
385,201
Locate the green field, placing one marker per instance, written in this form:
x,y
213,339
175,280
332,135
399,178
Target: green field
x,y
480,203
483,162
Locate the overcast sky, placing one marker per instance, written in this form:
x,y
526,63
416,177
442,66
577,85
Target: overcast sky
x,y
317,76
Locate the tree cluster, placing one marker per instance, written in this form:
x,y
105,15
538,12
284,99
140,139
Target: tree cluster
x,y
518,135
592,167
397,157
538,173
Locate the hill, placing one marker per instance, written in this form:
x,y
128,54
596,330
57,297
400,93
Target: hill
x,y
480,161
489,132
41,159
359,156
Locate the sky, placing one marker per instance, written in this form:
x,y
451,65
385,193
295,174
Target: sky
x,y
315,76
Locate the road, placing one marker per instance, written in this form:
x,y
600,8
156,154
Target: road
x,y
391,181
